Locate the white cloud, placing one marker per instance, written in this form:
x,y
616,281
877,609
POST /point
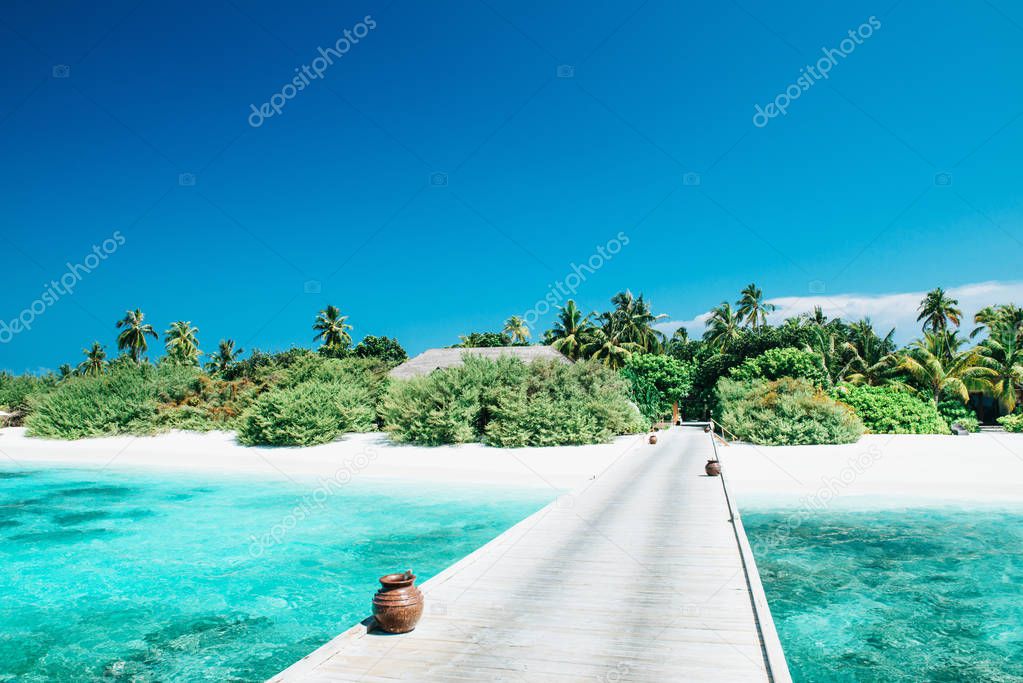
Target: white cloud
x,y
886,311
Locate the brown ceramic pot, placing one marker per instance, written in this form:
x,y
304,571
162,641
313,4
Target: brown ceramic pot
x,y
712,468
398,605
653,438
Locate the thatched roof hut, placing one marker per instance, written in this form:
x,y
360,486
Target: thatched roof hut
x,y
435,359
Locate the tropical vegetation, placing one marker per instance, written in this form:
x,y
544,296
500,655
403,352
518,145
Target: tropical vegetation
x,y
507,402
892,409
786,411
763,379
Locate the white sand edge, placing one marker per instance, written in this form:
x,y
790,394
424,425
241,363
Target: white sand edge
x,y
368,455
880,470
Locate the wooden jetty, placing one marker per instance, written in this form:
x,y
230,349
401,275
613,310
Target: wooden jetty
x,y
643,574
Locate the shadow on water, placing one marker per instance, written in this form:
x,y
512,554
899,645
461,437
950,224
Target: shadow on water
x,y
73,518
98,491
62,536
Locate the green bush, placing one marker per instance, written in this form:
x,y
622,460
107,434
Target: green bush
x,y
381,348
508,403
15,390
782,362
890,409
120,402
133,399
310,413
657,382
299,398
367,372
212,403
561,404
954,411
1011,423
784,412
970,424
266,368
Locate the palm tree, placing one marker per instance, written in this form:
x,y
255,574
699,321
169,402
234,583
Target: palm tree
x,y
225,356
991,317
871,358
1002,353
722,327
517,329
332,329
572,331
828,344
609,348
631,321
752,310
182,342
930,366
817,317
133,337
95,360
939,311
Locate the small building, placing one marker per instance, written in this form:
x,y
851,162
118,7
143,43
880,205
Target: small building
x,y
435,359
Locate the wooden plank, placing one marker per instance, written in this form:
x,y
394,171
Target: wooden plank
x,y
639,575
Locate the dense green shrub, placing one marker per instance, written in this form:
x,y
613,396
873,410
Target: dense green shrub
x,y
508,403
451,405
120,402
210,404
312,399
386,349
954,411
1011,423
713,364
302,398
970,424
310,413
362,371
561,404
133,399
890,409
657,382
483,339
15,390
783,362
784,412
264,368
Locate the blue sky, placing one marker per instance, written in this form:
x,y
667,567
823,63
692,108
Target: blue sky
x,y
441,176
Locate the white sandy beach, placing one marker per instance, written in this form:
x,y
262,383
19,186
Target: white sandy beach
x,y
370,455
880,470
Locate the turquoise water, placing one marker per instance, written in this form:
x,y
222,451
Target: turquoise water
x,y
144,577
901,595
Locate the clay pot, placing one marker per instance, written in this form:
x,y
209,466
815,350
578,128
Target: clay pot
x,y
712,468
398,605
653,439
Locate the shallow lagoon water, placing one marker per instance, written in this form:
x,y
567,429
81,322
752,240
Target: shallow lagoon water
x,y
140,576
931,594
